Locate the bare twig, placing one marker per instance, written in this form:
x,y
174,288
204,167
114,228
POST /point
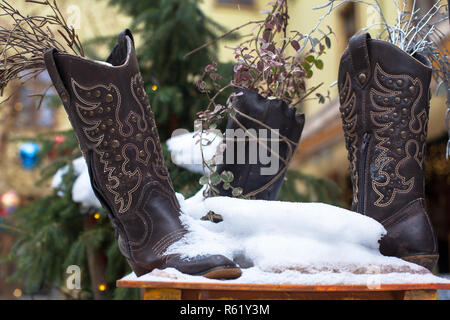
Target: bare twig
x,y
222,36
415,33
24,42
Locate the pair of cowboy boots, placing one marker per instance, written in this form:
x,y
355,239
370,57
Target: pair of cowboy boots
x,y
384,96
109,110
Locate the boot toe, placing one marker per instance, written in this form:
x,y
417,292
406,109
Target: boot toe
x,y
209,266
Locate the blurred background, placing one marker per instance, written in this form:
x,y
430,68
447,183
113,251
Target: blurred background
x,y
44,231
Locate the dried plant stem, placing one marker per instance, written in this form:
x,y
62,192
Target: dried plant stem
x,y
25,41
415,33
221,37
306,95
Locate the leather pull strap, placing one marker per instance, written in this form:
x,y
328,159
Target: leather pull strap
x,y
126,32
49,58
119,53
360,58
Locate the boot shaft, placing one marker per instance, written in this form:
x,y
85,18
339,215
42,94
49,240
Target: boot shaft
x,y
384,96
110,113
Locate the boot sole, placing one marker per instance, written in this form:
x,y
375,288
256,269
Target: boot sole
x,y
425,260
220,273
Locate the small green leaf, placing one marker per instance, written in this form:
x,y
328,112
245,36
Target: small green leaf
x,y
328,42
214,178
309,74
203,180
227,176
226,185
322,99
237,192
310,59
306,65
319,64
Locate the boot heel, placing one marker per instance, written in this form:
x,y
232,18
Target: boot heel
x,y
139,271
425,260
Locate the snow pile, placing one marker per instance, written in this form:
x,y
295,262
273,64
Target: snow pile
x,y
82,190
276,236
254,275
288,243
185,149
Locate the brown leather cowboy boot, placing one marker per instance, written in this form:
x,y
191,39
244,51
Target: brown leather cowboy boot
x,y
110,112
384,96
257,178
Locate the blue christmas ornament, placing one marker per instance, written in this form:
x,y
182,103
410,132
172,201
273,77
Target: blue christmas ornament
x,y
29,154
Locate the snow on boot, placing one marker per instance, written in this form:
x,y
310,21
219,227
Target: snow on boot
x,y
384,97
109,110
262,176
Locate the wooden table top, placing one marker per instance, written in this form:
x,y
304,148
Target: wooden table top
x,y
277,287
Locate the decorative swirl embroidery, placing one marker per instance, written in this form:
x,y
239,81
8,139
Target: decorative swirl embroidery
x,y
349,120
394,116
122,147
